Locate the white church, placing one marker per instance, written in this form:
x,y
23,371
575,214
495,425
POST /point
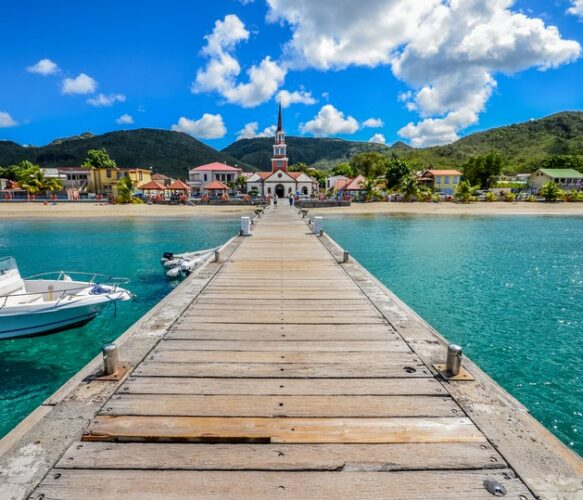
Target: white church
x,y
279,182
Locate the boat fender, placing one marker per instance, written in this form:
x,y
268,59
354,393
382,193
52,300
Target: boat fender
x,y
172,263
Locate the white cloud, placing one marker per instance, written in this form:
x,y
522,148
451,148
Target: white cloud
x,y
246,2
287,98
447,51
106,100
81,84
249,131
125,119
378,139
222,69
329,121
44,67
207,127
373,123
6,120
576,8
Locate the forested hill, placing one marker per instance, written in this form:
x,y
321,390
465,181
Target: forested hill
x,y
317,152
523,146
170,153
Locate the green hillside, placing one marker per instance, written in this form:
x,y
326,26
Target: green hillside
x,y
523,146
170,153
317,152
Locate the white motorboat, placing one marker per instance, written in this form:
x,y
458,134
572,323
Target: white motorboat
x,y
182,264
52,302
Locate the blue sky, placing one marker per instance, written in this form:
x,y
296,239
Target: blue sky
x,y
363,69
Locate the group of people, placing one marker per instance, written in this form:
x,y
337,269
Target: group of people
x,y
290,198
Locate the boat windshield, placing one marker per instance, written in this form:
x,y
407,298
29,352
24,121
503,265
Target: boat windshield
x,y
7,264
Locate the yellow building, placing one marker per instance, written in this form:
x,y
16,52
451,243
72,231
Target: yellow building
x,y
103,181
441,181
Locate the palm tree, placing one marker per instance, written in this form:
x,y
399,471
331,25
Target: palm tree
x,y
465,191
241,183
125,190
408,187
51,184
31,179
370,186
550,191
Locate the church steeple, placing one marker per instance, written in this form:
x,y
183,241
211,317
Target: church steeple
x,y
279,121
279,158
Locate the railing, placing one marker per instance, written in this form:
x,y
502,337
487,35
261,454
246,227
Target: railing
x,y
113,282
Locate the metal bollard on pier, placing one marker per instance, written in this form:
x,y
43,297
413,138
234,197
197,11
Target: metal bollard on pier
x,y
345,257
245,226
217,256
110,359
453,362
318,226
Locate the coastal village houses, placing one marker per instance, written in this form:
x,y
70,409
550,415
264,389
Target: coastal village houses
x,y
103,181
565,178
279,182
206,177
441,181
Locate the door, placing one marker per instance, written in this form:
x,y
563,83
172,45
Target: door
x,y
280,191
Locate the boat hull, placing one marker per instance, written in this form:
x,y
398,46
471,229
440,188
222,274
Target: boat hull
x,y
49,320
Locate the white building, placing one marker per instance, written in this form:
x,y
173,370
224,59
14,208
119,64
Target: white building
x,y
565,178
334,181
279,182
201,176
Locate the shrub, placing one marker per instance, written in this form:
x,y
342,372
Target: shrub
x,y
490,196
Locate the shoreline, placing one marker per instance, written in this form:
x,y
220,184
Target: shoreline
x,y
476,208
72,210
69,210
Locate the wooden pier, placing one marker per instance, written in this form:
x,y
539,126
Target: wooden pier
x,y
284,374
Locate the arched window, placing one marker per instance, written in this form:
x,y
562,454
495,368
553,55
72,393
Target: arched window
x,y
268,190
304,190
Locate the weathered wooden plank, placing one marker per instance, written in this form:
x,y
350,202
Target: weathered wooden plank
x,y
284,430
302,457
312,329
266,370
380,358
195,332
345,386
276,318
391,345
280,406
451,485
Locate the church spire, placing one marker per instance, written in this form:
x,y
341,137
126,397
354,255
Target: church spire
x,y
279,121
279,158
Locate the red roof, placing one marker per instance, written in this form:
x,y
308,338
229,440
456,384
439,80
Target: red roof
x,y
294,175
152,186
264,175
353,184
216,166
179,186
444,172
215,186
159,177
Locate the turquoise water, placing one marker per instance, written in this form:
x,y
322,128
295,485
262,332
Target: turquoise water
x,y
32,369
508,289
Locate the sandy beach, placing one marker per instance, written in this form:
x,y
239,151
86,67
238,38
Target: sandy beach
x,y
478,208
94,210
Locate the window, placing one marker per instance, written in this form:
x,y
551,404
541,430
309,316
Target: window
x,y
268,190
108,173
205,177
447,179
141,176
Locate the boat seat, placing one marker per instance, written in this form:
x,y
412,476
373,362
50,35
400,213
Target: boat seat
x,y
16,299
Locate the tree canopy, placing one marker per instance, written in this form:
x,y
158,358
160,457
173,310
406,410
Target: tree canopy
x,y
482,170
343,169
98,158
371,164
395,171
563,161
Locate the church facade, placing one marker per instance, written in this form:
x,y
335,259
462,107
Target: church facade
x,y
279,182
